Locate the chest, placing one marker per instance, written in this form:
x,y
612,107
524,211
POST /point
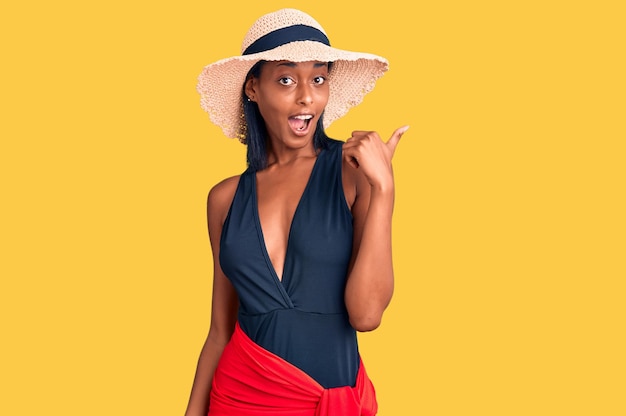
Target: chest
x,y
279,194
290,243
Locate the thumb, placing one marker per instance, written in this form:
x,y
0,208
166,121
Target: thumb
x,y
395,137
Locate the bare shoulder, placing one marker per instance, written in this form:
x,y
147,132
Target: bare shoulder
x,y
220,198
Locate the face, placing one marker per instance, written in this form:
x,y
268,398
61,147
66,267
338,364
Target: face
x,y
291,97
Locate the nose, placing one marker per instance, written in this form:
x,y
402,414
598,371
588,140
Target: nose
x,y
305,94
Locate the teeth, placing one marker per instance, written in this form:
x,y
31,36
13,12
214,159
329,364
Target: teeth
x,y
304,117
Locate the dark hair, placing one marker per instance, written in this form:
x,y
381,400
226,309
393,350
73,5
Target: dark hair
x,y
254,134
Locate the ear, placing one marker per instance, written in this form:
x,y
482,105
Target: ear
x,y
250,88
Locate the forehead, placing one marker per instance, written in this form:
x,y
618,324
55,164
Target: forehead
x,y
296,65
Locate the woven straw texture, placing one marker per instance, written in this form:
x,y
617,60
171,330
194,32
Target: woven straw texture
x,y
353,74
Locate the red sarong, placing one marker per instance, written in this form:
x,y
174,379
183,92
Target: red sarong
x,y
251,381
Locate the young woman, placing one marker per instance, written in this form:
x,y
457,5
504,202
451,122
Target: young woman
x,y
302,239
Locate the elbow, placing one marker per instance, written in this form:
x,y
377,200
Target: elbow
x,y
365,323
366,312
365,317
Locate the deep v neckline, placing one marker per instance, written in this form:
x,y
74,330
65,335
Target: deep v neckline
x,y
280,279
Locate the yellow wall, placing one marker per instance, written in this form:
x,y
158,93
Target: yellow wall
x,y
509,226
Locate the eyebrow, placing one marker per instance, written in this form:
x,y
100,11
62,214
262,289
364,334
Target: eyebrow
x,y
294,64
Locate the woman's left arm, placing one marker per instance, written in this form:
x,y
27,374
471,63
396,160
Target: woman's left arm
x,y
367,167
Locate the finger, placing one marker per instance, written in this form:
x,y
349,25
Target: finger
x,y
395,137
352,160
350,144
357,133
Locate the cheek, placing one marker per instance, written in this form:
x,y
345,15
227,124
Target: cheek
x,y
322,96
271,113
269,109
271,100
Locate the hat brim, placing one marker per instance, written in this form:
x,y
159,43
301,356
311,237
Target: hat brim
x,y
352,76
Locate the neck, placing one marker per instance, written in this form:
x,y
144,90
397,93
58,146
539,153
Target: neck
x,y
282,154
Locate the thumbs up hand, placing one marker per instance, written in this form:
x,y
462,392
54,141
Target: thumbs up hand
x,y
365,151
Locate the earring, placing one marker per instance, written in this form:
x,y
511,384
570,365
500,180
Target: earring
x,y
249,99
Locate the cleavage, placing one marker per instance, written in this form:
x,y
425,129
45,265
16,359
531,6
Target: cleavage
x,y
279,194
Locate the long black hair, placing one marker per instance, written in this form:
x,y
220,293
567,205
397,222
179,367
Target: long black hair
x,y
254,133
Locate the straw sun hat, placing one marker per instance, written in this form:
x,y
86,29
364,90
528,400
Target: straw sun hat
x,y
290,35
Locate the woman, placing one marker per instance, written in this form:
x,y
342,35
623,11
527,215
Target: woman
x,y
302,239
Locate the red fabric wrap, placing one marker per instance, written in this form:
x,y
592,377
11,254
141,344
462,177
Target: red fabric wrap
x,y
251,381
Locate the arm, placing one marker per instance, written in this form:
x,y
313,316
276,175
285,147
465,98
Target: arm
x,y
367,163
224,303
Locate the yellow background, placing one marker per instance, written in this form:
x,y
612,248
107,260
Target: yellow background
x,y
509,231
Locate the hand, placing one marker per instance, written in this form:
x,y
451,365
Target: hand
x,y
366,151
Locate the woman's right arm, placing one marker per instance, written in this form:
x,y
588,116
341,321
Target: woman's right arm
x,y
224,302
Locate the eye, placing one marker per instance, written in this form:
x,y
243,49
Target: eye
x,y
286,81
319,80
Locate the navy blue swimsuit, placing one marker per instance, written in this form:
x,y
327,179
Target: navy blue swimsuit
x,y
302,318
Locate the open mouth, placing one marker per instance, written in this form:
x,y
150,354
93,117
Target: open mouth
x,y
300,123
